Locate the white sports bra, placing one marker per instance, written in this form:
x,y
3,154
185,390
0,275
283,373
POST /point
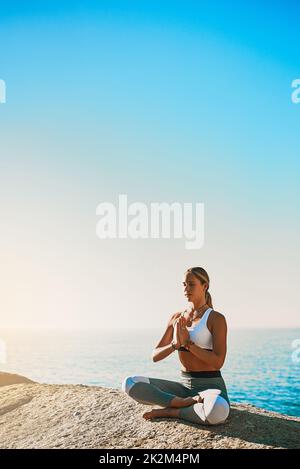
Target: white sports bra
x,y
200,334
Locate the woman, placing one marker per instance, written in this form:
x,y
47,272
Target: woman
x,y
199,335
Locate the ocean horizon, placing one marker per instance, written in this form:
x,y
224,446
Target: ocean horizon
x,y
260,368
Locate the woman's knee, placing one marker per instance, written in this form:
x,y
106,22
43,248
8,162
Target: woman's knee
x,y
213,410
130,381
216,411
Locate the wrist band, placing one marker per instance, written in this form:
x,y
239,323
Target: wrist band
x,y
173,345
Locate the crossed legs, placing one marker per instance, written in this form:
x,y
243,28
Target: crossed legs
x,y
207,408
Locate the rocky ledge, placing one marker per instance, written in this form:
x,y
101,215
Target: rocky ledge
x,y
34,415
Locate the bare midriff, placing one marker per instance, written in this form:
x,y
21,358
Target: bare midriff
x,y
192,363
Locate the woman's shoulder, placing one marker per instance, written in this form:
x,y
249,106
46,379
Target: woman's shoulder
x,y
217,318
217,314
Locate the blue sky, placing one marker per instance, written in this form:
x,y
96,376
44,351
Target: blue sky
x,y
163,101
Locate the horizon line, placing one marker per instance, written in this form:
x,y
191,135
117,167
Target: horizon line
x,y
94,328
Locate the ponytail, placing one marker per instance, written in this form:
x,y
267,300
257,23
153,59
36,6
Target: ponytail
x,y
208,299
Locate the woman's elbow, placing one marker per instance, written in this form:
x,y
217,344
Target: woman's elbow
x,y
219,362
154,356
157,355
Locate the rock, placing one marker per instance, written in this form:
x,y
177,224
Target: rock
x,y
7,379
36,415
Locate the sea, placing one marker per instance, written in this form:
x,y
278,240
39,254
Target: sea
x,y
261,368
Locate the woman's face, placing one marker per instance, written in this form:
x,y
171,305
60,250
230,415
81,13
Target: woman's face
x,y
193,288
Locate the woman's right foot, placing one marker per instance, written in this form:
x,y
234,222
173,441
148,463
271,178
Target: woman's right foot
x,y
184,401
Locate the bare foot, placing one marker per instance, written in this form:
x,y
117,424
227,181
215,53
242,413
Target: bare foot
x,y
184,401
156,413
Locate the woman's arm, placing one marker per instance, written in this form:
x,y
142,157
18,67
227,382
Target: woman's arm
x,y
164,348
162,352
216,357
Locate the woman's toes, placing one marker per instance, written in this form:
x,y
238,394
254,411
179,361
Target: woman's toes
x,y
197,398
147,415
192,400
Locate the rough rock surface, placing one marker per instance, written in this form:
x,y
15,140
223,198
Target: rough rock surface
x,y
36,415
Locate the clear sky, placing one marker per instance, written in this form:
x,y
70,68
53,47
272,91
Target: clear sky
x,y
165,102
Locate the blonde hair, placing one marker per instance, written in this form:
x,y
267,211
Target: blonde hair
x,y
202,275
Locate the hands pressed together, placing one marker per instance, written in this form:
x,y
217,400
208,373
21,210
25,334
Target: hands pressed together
x,y
181,334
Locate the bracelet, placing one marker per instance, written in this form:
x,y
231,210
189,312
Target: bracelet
x,y
173,345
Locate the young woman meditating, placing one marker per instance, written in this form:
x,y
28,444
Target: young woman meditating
x,y
199,336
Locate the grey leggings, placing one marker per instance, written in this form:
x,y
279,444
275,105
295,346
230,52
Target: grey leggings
x,y
213,410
